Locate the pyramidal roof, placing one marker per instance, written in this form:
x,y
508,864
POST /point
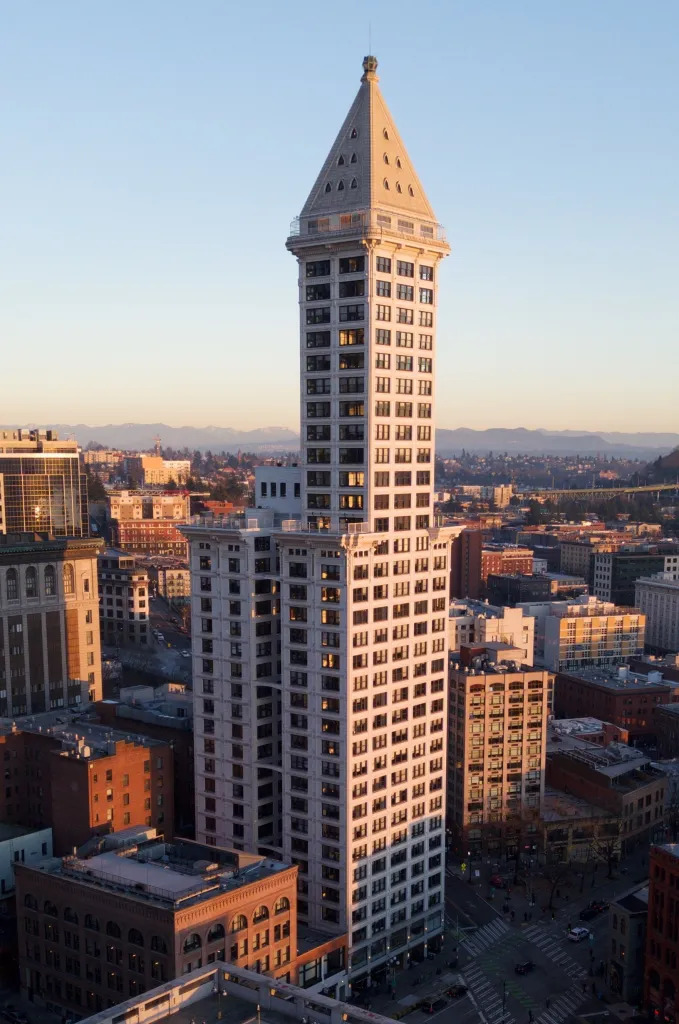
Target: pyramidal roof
x,y
368,165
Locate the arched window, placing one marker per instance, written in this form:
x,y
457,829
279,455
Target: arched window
x,y
386,158
31,582
158,945
69,579
50,581
398,187
30,902
239,922
70,915
281,905
386,184
192,942
12,581
92,922
50,909
340,162
411,190
135,937
340,187
354,158
398,161
260,914
113,929
328,187
354,134
216,932
385,133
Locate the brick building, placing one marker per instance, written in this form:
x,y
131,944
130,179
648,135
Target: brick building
x,y
83,780
465,564
147,522
625,698
505,559
666,729
99,928
124,600
661,971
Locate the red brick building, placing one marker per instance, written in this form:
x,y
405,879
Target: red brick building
x,y
504,560
84,780
614,695
661,970
465,564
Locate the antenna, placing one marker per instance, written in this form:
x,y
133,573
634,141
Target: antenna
x,y
370,37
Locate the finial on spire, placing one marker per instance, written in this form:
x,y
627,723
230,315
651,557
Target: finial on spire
x,y
369,69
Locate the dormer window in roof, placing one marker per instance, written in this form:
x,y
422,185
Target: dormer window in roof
x,y
386,159
411,191
328,187
340,162
398,187
353,134
354,158
385,133
340,187
354,183
386,184
398,161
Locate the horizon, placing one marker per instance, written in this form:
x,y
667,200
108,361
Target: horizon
x,y
148,210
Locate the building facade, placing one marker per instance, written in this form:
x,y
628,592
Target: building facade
x,y
627,936
42,486
475,622
658,598
496,757
147,522
353,588
124,600
50,653
503,559
661,980
615,573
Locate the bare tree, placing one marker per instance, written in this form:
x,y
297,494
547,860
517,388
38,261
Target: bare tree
x,y
606,845
556,872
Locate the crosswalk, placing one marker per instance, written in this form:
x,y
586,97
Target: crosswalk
x,y
486,998
563,1007
485,936
551,945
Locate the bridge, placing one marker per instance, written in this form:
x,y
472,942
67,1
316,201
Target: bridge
x,y
603,492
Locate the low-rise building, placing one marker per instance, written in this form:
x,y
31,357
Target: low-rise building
x,y
132,911
478,622
658,598
50,654
496,753
20,845
82,779
627,936
666,729
661,983
575,830
624,698
505,559
124,600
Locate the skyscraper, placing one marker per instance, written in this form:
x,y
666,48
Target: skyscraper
x,y
42,486
320,655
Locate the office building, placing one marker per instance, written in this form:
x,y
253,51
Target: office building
x,y
615,573
624,698
572,634
477,622
496,756
103,458
658,599
82,779
627,937
132,910
50,654
124,600
42,486
661,986
357,582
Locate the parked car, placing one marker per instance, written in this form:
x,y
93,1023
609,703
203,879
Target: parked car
x,y
434,1005
497,881
456,991
578,934
525,967
593,909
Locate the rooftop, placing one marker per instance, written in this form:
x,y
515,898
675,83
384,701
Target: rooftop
x,y
621,678
558,806
626,767
671,848
172,875
80,736
634,900
8,832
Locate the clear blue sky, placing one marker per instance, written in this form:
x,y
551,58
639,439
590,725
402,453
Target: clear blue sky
x,y
154,153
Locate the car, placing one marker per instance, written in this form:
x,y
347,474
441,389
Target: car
x,y
525,967
497,881
434,1005
159,637
456,991
578,934
185,654
588,913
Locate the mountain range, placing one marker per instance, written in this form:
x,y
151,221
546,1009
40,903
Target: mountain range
x,y
518,440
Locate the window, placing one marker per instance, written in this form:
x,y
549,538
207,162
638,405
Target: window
x,y
31,582
318,268
50,581
351,337
383,265
352,264
69,580
318,339
427,295
404,269
318,315
383,288
349,289
317,292
426,273
355,312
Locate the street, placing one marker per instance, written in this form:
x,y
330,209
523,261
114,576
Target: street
x,y
167,620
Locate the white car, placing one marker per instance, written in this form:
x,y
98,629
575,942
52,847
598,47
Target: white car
x,y
578,934
185,654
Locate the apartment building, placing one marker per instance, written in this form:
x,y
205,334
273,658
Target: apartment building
x,y
82,779
50,655
661,987
124,600
152,470
113,921
42,486
477,622
333,621
627,916
615,573
573,634
503,559
496,757
465,567
658,598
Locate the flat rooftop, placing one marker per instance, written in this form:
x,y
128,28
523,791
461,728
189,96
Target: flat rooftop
x,y
558,806
671,848
79,735
636,900
8,832
621,679
172,875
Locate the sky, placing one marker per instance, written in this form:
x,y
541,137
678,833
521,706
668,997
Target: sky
x,y
153,155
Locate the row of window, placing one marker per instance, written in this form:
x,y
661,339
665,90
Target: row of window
x,y
356,361
356,336
355,288
356,311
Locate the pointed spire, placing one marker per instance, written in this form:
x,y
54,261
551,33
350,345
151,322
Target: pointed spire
x,y
368,166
